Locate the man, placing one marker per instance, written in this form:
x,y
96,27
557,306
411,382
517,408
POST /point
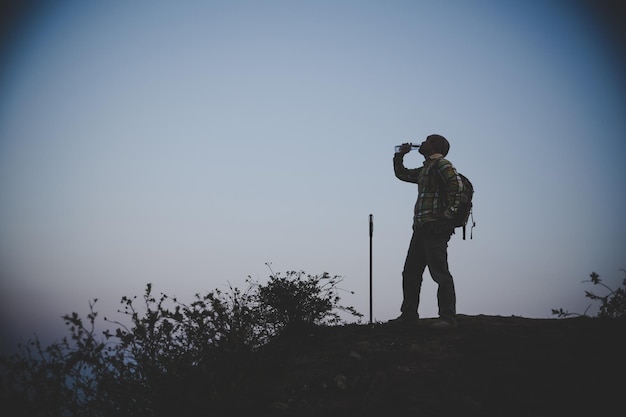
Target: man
x,y
439,193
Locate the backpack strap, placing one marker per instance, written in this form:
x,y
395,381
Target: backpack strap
x,y
441,186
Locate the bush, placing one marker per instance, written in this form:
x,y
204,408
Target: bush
x,y
298,299
171,358
612,305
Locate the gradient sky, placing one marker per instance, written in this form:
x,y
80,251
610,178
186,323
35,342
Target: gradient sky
x,y
187,143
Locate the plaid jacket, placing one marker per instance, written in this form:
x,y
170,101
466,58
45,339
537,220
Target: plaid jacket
x,y
430,205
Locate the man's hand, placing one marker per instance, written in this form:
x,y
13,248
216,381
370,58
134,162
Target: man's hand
x,y
404,149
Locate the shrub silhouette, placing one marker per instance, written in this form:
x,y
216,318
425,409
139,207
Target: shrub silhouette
x,y
297,299
167,357
612,305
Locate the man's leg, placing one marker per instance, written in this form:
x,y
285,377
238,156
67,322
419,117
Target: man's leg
x,y
436,249
412,273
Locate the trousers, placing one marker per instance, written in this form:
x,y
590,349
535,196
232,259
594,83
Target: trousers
x,y
429,248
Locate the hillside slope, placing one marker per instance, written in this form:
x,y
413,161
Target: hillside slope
x,y
488,366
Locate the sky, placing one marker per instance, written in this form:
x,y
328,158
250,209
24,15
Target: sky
x,y
190,143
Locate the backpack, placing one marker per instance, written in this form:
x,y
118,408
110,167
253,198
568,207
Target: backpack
x,y
464,212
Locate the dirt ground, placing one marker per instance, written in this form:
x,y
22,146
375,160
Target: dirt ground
x,y
488,366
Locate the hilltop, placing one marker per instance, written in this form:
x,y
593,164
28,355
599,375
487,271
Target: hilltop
x,y
212,358
488,366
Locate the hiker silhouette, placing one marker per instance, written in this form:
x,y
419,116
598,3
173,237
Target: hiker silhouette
x,y
440,190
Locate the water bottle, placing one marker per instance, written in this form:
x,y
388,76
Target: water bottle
x,y
413,146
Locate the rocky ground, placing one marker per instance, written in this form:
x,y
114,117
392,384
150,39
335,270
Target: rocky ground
x,y
488,366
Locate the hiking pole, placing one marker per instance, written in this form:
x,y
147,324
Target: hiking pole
x,y
371,235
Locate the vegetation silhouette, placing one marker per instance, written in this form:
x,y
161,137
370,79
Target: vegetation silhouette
x,y
612,304
172,358
281,348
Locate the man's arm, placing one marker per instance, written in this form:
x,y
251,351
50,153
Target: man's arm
x,y
403,173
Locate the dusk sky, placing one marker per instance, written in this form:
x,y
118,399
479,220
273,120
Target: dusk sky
x,y
189,143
